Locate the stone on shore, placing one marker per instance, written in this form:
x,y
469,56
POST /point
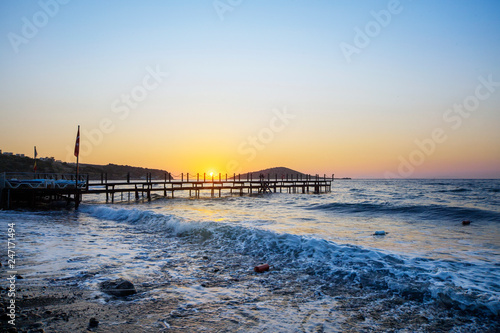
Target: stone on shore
x,y
118,287
93,323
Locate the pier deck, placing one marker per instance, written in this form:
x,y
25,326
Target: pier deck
x,y
30,189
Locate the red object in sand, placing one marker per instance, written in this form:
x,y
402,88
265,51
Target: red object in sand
x,y
467,222
261,268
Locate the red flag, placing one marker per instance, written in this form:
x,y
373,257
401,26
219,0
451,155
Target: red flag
x,y
77,144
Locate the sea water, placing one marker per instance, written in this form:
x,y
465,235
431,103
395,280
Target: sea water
x,y
332,269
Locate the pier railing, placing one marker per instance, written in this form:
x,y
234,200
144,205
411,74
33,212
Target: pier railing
x,y
198,177
196,183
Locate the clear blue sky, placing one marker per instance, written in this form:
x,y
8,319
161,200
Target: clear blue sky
x,y
229,68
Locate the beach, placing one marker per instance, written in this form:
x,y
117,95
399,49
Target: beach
x,y
192,261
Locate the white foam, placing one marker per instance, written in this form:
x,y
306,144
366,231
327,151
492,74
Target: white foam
x,y
352,263
159,222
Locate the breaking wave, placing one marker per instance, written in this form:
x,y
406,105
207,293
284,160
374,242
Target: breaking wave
x,y
433,211
422,280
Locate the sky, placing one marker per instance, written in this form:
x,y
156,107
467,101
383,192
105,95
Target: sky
x,y
362,89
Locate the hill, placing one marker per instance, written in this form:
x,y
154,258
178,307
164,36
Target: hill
x,y
280,172
12,163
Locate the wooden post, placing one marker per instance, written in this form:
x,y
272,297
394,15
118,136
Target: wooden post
x,y
182,177
77,154
198,177
204,177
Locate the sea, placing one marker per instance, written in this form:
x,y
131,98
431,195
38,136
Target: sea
x,y
370,256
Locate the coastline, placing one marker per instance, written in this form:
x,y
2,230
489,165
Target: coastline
x,y
175,305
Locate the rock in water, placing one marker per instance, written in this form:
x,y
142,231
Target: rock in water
x,y
118,287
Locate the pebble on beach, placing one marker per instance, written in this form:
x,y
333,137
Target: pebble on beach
x,y
93,322
261,268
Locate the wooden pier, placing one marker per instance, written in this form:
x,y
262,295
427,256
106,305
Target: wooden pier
x,y
66,188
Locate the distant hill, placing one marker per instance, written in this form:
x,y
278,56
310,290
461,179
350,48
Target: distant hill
x,y
280,172
12,163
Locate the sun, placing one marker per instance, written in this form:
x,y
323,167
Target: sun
x,y
211,174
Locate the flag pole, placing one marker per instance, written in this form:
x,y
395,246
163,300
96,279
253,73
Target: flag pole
x,y
77,154
34,166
